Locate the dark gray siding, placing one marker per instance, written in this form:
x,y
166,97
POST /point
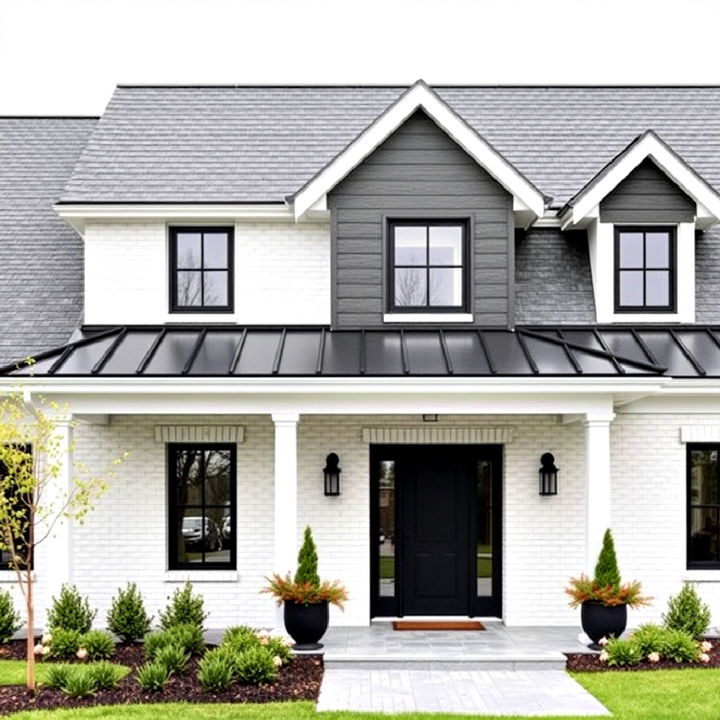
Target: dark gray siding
x,y
707,276
647,195
553,283
417,172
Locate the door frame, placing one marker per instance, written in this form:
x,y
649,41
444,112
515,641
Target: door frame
x,y
393,607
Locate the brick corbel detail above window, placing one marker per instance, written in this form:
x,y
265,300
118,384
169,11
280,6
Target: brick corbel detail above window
x,y
439,435
200,433
700,433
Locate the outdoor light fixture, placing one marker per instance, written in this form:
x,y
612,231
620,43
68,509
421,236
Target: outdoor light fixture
x,y
331,471
548,475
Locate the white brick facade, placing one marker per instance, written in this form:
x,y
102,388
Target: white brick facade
x,y
124,539
282,274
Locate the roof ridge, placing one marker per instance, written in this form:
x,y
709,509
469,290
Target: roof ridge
x,y
49,117
321,86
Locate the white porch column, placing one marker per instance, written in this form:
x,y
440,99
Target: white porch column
x,y
285,491
57,549
597,477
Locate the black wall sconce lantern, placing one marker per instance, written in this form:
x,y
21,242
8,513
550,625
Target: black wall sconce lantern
x,y
548,475
331,471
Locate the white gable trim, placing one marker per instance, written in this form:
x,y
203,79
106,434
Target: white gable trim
x,y
419,96
648,146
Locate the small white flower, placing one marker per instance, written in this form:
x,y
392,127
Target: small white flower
x,y
603,641
704,657
45,650
604,656
706,646
288,643
264,640
81,654
654,657
277,661
46,639
39,649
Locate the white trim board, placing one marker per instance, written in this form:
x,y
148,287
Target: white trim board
x,y
438,435
200,433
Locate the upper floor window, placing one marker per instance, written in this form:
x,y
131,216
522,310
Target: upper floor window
x,y
201,269
703,506
202,504
428,266
645,269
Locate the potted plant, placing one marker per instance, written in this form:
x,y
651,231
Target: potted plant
x,y
306,598
604,599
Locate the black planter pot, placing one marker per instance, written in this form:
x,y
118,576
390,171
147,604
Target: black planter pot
x,y
306,624
602,621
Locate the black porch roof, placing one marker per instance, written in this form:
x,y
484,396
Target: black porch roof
x,y
232,351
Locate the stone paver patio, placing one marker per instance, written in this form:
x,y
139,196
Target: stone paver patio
x,y
500,671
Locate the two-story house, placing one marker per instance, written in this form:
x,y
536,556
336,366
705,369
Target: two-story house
x,y
458,331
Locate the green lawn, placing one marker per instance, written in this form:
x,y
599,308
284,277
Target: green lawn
x,y
12,672
655,695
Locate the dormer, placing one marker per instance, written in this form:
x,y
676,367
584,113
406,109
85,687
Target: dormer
x,y
641,213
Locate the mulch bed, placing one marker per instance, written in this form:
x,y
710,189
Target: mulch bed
x,y
590,662
300,680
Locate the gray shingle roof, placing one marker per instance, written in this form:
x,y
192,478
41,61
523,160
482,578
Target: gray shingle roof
x,y
260,144
40,255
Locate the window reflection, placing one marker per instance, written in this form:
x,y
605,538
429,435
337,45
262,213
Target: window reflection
x,y
704,545
386,539
484,548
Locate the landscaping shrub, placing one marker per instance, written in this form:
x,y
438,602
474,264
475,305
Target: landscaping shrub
x,y
679,646
79,683
105,675
64,643
622,652
686,611
100,645
189,637
9,617
173,657
649,638
153,641
70,611
184,608
127,617
217,669
57,675
279,647
153,677
307,570
256,666
240,637
607,572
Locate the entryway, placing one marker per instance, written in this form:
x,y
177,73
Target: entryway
x,y
436,530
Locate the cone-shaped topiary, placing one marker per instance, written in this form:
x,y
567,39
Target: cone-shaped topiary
x,y
607,573
686,611
307,570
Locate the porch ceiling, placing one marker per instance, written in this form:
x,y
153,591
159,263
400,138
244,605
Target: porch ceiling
x,y
232,351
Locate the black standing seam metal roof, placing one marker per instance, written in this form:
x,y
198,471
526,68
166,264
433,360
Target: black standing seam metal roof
x,y
234,351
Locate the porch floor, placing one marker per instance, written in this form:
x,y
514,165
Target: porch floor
x,y
499,671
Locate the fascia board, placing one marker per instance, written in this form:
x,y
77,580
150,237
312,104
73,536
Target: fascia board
x,y
76,213
671,164
419,97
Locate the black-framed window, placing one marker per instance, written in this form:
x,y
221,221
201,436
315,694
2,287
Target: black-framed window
x,y
201,269
428,266
645,269
202,506
703,505
21,506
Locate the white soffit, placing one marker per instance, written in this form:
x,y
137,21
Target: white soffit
x,y
420,97
648,145
200,433
441,435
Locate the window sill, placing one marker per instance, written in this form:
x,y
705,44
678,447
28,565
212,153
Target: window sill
x,y
10,576
201,576
702,576
428,317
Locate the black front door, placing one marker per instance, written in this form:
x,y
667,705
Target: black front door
x,y
436,530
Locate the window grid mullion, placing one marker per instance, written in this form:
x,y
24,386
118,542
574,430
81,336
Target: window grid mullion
x,y
202,499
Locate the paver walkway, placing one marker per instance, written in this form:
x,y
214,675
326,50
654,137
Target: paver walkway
x,y
488,692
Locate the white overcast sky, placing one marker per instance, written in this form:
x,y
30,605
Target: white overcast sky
x,y
65,56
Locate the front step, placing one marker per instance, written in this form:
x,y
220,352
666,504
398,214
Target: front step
x,y
455,661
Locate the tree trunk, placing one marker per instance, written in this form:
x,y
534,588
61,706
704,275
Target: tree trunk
x,y
30,632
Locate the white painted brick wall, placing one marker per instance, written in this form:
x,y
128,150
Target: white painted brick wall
x,y
282,274
125,537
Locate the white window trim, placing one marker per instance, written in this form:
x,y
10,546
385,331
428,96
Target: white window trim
x,y
203,576
428,317
601,241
